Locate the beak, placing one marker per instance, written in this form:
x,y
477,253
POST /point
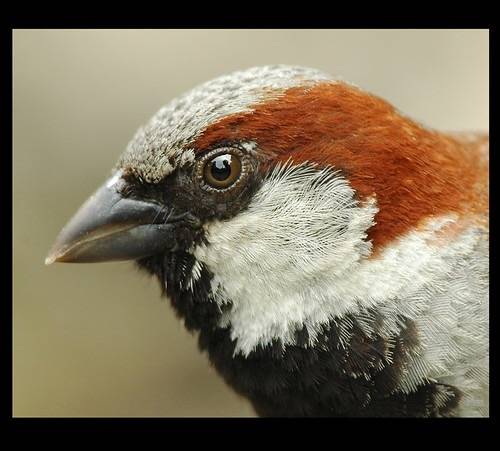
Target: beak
x,y
109,227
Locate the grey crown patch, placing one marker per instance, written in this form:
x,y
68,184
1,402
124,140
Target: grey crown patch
x,y
164,143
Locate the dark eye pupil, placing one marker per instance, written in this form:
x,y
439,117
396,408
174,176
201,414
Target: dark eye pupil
x,y
221,167
221,171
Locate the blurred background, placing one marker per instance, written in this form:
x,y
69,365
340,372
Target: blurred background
x,y
97,340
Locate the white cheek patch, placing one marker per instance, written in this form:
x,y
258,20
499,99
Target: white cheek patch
x,y
302,224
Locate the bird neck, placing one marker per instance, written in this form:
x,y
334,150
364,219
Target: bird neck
x,y
350,370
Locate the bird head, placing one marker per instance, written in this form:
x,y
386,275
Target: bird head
x,y
254,195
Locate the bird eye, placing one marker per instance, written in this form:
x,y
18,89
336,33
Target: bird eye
x,y
222,171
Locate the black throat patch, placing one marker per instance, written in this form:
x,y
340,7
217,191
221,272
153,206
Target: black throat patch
x,y
346,373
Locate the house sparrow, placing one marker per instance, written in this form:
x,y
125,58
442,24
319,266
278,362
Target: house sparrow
x,y
331,253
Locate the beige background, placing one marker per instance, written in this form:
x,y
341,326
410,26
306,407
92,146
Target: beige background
x,y
96,340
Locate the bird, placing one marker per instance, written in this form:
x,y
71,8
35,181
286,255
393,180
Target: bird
x,y
330,254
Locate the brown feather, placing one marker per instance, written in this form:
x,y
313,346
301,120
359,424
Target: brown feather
x,y
414,173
